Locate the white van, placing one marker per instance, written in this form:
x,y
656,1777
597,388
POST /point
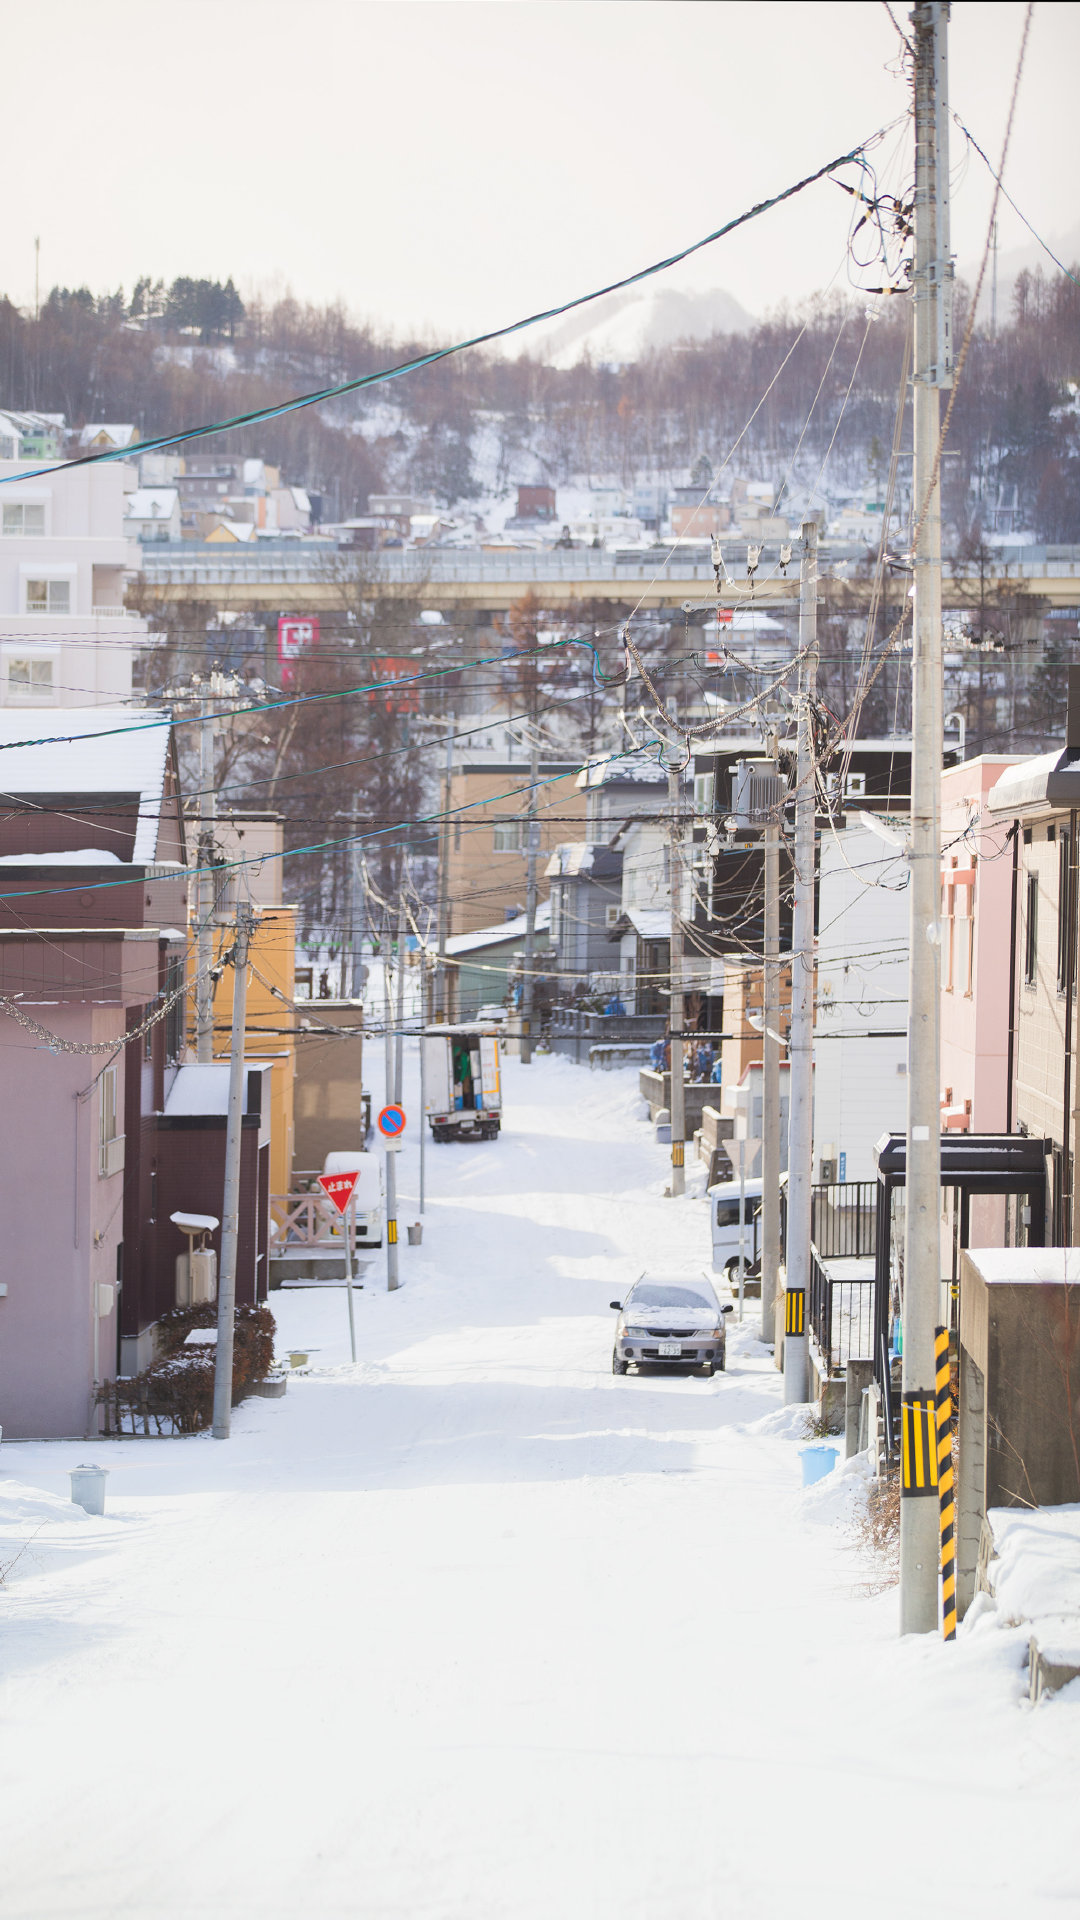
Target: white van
x,y
724,1217
368,1193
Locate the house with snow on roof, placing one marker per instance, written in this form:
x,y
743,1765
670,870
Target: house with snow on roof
x,y
93,911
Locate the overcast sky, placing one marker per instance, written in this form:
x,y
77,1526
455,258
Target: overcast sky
x,y
457,163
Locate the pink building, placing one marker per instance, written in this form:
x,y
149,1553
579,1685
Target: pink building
x,y
93,903
976,916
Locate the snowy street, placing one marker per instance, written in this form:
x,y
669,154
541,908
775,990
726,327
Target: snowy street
x,y
477,1631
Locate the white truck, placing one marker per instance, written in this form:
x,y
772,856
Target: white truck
x,y
462,1082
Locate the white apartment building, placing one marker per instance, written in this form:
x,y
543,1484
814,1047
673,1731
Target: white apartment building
x,y
860,1029
66,638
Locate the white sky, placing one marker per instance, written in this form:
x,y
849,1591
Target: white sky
x,y
457,163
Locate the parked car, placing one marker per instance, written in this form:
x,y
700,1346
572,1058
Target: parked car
x,y
670,1320
724,1213
368,1195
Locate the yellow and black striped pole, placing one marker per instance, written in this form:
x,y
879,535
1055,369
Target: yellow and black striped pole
x,y
795,1311
918,1446
946,1493
391,1233
678,1153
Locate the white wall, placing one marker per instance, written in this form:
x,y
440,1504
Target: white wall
x,y
72,645
860,1035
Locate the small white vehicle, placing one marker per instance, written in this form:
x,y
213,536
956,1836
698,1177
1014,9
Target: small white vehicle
x,y
462,1082
491,1013
724,1216
367,1194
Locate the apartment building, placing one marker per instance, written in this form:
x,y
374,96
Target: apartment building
x,y
66,638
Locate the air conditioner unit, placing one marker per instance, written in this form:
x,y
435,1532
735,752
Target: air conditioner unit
x,y
611,916
196,1277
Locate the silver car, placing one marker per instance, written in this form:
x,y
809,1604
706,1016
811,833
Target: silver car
x,y
670,1321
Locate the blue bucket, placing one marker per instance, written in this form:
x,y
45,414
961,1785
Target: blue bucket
x,y
816,1463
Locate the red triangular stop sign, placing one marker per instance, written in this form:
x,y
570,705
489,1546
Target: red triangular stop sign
x,y
338,1187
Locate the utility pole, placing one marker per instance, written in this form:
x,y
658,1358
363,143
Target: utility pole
x,y
392,1281
230,1212
677,1097
399,1042
801,1034
530,904
204,886
770,1077
440,1010
922,1253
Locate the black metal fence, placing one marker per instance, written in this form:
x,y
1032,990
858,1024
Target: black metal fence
x,y
841,1312
572,1031
843,1219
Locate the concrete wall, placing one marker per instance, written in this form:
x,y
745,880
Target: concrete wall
x,y
62,1224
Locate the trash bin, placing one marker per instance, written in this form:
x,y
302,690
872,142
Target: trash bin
x,y
816,1463
415,1232
88,1488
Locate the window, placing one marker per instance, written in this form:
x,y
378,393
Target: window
x,y
556,915
704,784
110,1142
1066,910
1031,931
48,596
30,680
24,518
508,836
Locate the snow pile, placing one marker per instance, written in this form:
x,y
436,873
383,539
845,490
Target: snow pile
x,y
1035,1575
839,1498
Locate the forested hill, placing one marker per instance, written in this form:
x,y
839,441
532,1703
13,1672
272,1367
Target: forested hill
x,y
818,377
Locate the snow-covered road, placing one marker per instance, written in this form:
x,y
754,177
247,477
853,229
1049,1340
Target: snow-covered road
x,y
477,1631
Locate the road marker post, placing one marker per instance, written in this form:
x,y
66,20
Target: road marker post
x,y
946,1492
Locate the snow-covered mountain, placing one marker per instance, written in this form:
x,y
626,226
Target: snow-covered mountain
x,y
626,325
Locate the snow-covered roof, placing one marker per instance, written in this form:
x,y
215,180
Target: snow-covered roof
x,y
494,936
1053,779
573,856
649,923
116,435
89,750
633,769
152,503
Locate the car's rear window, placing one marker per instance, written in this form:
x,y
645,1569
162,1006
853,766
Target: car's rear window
x,y
653,1296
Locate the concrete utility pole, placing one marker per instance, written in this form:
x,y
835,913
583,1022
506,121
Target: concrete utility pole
x,y
530,905
440,1010
677,1016
219,688
922,1254
204,887
392,1281
801,1035
770,1079
230,1212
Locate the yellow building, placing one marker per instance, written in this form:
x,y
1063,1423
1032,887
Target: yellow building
x,y
269,1023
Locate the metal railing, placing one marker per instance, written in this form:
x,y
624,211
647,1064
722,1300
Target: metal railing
x,y
843,1219
841,1311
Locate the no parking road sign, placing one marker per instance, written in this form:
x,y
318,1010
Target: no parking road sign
x,y
391,1125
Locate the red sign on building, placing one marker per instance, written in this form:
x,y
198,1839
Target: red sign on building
x,y
294,637
405,699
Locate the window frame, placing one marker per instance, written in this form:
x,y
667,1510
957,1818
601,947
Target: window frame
x,y
1031,929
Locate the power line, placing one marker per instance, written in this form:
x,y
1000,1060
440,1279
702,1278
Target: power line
x,y
259,414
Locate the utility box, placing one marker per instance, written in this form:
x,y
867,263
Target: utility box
x,y
1019,1415
196,1277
